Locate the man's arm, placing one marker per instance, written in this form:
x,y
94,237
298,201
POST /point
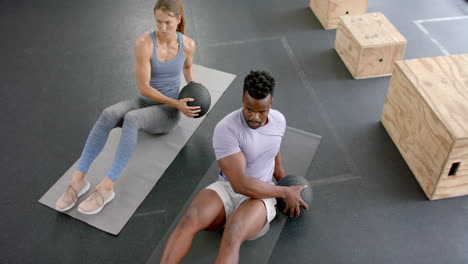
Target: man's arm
x,y
279,170
234,166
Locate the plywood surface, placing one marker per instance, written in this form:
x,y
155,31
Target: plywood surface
x,y
420,136
338,8
347,48
320,9
443,83
379,61
329,11
373,29
456,184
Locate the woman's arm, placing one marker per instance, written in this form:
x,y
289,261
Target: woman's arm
x,y
189,51
143,53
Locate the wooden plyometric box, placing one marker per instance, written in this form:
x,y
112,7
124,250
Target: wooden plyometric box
x,y
329,11
369,45
426,115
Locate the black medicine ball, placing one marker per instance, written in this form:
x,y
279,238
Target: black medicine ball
x,y
291,180
200,94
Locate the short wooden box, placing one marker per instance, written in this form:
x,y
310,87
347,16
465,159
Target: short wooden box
x,y
328,11
369,45
426,115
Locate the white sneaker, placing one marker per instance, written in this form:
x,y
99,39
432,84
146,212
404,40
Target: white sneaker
x,y
69,197
96,201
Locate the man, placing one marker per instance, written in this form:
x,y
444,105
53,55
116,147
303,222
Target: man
x,y
246,143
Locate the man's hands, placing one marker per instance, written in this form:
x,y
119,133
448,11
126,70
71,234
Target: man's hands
x,y
189,111
293,200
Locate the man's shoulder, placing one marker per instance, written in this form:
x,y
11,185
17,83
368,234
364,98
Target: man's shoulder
x,y
277,114
231,120
278,117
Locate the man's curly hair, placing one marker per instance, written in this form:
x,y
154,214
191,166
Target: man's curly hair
x,y
259,84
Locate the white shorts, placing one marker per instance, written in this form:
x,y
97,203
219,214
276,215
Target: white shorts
x,y
233,200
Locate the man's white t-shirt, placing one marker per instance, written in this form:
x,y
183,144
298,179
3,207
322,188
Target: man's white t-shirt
x,y
259,146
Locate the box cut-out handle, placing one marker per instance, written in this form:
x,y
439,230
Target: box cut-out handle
x,y
454,169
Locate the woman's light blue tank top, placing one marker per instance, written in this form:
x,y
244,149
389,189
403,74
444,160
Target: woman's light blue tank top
x,y
166,76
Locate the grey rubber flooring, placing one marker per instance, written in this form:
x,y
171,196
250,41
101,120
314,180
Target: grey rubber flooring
x,y
63,62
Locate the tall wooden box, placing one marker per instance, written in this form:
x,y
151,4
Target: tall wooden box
x,y
369,45
328,11
426,115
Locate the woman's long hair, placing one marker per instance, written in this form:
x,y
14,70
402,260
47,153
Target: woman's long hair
x,y
176,8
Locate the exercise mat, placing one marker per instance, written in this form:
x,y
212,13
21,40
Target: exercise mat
x,y
153,155
297,151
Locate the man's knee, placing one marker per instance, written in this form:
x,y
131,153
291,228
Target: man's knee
x,y
234,232
192,219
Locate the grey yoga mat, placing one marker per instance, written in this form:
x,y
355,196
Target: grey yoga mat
x,y
297,151
153,155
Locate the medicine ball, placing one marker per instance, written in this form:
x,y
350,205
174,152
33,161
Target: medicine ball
x,y
291,180
200,94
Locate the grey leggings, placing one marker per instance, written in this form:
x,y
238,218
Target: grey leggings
x,y
131,115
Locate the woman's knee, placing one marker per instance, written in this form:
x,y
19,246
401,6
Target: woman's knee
x,y
117,111
111,113
131,118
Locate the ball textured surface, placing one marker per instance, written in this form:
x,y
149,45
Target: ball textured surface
x,y
291,180
200,94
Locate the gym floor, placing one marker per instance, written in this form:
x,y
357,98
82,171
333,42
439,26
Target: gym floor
x,y
63,62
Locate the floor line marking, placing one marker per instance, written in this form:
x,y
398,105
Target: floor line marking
x,y
239,42
323,114
151,212
419,24
334,179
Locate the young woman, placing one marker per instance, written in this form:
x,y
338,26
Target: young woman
x,y
161,58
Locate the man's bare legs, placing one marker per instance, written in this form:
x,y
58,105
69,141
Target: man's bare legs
x,y
205,212
246,221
